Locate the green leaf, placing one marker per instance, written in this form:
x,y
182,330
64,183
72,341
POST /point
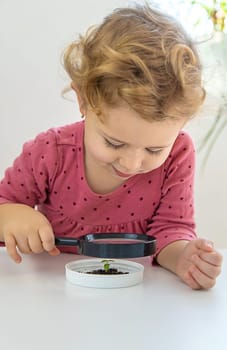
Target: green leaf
x,y
106,264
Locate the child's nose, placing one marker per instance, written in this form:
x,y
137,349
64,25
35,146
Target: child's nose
x,y
131,162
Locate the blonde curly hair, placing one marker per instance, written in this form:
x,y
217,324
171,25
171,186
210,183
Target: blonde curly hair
x,y
140,56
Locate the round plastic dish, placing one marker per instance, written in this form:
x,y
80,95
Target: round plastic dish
x,y
76,273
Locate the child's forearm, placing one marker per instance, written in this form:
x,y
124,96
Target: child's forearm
x,y
169,255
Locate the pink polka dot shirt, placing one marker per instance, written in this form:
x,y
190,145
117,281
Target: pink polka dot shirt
x,y
50,174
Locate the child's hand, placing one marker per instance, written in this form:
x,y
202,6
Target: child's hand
x,y
199,264
26,230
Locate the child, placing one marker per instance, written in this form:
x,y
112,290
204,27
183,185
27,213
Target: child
x,y
127,167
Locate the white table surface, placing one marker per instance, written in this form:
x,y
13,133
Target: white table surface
x,y
40,310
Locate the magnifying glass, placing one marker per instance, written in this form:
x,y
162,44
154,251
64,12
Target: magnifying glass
x,y
111,245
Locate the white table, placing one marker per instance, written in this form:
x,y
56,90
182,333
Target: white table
x,y
40,310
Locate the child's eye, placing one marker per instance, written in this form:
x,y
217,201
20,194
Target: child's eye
x,y
154,151
120,145
113,145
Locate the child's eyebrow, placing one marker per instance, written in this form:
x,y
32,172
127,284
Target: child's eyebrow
x,y
116,140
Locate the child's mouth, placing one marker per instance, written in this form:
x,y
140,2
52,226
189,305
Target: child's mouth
x,y
124,175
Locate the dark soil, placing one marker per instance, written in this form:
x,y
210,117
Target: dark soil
x,y
109,272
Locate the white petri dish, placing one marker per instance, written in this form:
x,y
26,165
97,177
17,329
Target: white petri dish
x,y
77,272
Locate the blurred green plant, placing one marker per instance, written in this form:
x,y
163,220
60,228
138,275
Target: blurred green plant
x,y
215,130
216,12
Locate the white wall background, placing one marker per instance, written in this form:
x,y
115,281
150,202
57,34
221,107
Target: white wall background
x,y
33,35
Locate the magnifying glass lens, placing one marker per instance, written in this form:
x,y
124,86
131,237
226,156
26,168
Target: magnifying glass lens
x,y
115,241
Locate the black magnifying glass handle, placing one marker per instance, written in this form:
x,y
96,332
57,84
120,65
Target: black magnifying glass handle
x,y
67,241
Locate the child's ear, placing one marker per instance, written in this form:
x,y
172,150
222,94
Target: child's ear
x,y
80,100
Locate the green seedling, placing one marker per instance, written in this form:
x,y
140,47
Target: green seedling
x,y
106,264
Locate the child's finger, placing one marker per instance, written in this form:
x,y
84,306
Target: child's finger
x,y
204,244
190,281
23,245
208,269
214,258
54,252
47,238
35,244
203,280
11,247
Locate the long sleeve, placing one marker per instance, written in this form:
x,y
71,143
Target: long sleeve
x,y
29,179
173,219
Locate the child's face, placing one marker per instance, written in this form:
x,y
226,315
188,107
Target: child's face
x,y
125,145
